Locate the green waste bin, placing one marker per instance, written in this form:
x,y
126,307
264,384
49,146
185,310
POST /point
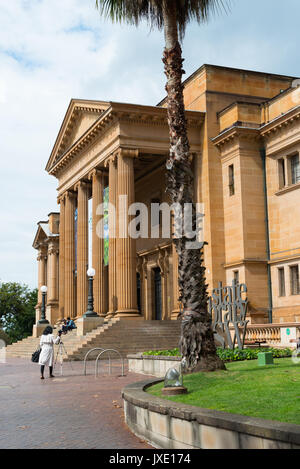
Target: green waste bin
x,y
265,358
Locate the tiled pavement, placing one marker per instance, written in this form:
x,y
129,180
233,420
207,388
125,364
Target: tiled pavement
x,y
69,411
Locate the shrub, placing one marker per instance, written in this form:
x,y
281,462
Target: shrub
x,y
228,355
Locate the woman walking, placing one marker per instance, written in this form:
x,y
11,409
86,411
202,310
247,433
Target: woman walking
x,y
47,353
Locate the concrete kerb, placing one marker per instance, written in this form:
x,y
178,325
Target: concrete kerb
x,y
243,432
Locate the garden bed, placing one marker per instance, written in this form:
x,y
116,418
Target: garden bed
x,y
270,392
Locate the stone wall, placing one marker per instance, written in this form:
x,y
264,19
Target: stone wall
x,y
170,425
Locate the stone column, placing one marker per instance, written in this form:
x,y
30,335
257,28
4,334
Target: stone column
x,y
176,304
69,259
112,254
42,257
126,246
82,247
61,293
163,263
98,243
52,298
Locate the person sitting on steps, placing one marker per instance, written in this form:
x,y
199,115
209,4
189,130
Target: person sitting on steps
x,y
70,324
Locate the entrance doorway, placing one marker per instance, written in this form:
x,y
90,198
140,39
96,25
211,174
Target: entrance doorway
x,y
157,294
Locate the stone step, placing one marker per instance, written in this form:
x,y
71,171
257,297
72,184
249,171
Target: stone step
x,y
126,336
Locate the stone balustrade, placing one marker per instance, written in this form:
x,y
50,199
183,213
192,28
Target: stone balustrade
x,y
271,333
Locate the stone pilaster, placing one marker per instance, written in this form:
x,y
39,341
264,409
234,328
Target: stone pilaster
x,y
126,246
112,253
97,178
52,294
69,260
163,263
176,304
61,293
42,258
82,247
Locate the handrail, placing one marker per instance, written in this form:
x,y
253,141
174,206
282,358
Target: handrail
x,y
87,354
104,351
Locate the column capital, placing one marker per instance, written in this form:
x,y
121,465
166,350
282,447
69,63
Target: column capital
x,y
95,173
123,152
71,195
81,185
61,198
112,159
128,152
42,252
53,249
41,256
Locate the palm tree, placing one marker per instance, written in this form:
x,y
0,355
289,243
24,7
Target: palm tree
x,y
197,339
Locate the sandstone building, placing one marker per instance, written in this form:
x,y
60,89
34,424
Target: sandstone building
x,y
244,131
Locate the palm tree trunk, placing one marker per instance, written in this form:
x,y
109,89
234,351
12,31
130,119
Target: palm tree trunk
x,y
197,339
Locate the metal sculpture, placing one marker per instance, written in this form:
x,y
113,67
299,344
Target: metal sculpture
x,y
228,307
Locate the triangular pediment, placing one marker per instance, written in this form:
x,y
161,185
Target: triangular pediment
x,y
80,116
41,234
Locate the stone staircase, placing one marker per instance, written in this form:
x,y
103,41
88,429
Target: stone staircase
x,y
125,336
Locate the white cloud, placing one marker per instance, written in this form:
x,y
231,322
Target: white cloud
x,y
54,50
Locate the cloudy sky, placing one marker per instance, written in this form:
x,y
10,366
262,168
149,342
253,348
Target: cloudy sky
x,y
55,50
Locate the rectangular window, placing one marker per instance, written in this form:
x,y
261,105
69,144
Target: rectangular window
x,y
294,279
231,179
281,281
295,169
236,276
282,175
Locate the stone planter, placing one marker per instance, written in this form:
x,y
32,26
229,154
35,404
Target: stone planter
x,y
151,365
170,425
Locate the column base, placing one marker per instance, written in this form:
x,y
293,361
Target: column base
x,y
38,329
87,324
103,315
52,312
175,314
128,313
110,314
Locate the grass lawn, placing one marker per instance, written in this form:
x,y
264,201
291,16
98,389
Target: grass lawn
x,y
271,392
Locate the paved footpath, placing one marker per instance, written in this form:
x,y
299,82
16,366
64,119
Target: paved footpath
x,y
69,411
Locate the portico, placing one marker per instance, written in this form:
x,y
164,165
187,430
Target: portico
x,y
121,147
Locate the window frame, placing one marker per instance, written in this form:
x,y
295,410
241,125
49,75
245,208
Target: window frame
x,y
294,292
281,283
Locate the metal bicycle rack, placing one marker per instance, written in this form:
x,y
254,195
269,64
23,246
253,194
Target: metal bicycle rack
x,y
87,354
109,366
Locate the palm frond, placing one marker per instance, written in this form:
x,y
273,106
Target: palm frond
x,y
134,11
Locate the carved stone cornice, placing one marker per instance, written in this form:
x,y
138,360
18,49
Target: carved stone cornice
x,y
281,122
234,134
